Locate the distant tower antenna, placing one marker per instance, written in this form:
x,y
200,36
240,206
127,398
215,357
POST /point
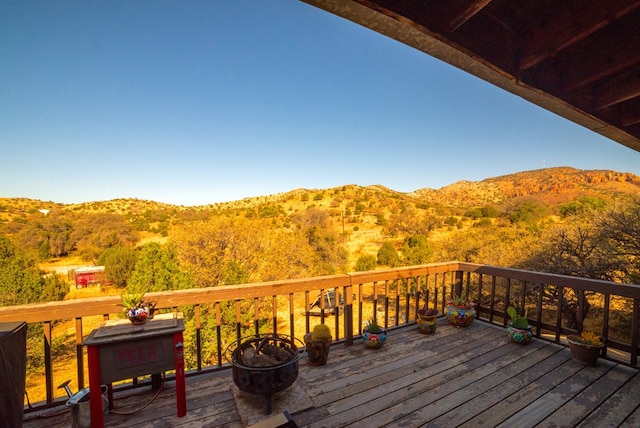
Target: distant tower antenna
x,y
544,163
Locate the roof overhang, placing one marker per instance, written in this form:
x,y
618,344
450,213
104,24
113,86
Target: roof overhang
x,y
580,60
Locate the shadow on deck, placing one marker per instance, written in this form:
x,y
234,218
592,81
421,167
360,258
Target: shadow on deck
x,y
456,377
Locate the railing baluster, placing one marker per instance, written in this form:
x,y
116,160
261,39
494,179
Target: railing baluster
x,y
507,302
307,303
336,305
291,316
605,321
360,306
238,321
256,316
580,314
274,308
48,362
493,298
540,288
219,333
198,327
634,336
558,328
79,354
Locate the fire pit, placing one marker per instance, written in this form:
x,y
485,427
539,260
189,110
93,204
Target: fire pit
x,y
264,364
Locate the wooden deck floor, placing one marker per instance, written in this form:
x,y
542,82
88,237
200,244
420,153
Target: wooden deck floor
x,y
456,377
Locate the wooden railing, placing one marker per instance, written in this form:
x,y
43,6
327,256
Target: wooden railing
x,y
391,296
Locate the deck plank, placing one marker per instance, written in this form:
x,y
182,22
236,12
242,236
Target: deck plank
x,y
456,377
618,406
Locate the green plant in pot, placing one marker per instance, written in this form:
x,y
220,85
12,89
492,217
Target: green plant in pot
x,y
374,335
136,309
318,343
519,329
585,347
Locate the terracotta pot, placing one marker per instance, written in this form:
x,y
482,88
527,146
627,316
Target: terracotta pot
x,y
522,336
586,354
317,350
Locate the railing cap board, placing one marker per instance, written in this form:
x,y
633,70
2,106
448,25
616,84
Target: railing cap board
x,y
68,309
579,283
402,272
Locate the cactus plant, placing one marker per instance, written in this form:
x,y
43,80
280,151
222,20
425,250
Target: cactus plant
x,y
321,332
318,343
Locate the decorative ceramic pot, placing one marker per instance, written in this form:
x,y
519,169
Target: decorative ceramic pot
x,y
426,323
139,315
586,354
460,316
374,340
522,336
317,350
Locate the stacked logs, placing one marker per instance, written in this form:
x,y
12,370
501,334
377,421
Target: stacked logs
x,y
266,354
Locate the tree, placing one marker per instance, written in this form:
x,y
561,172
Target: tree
x,y
21,281
119,263
366,262
157,269
416,250
388,255
620,228
94,233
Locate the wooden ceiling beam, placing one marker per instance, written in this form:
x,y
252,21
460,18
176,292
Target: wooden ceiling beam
x,y
566,25
602,55
467,13
620,89
630,113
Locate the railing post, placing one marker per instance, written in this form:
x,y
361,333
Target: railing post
x,y
457,282
348,315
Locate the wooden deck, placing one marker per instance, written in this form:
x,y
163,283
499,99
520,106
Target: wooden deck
x,y
456,377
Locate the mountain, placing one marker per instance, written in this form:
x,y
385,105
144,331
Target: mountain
x,y
549,186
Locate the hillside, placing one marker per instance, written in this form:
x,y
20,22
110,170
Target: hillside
x,y
550,186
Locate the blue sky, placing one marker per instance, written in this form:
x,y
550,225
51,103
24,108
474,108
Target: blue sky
x,y
199,102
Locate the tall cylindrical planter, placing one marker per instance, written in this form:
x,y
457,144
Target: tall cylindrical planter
x,y
317,350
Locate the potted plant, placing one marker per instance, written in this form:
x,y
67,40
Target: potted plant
x,y
374,335
426,320
519,329
318,344
585,347
136,309
460,311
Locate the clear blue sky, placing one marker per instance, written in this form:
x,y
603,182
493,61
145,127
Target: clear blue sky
x,y
199,102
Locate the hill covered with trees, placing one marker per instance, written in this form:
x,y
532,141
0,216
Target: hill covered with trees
x,y
307,232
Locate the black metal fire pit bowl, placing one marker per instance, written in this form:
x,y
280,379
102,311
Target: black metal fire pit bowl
x,y
264,364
